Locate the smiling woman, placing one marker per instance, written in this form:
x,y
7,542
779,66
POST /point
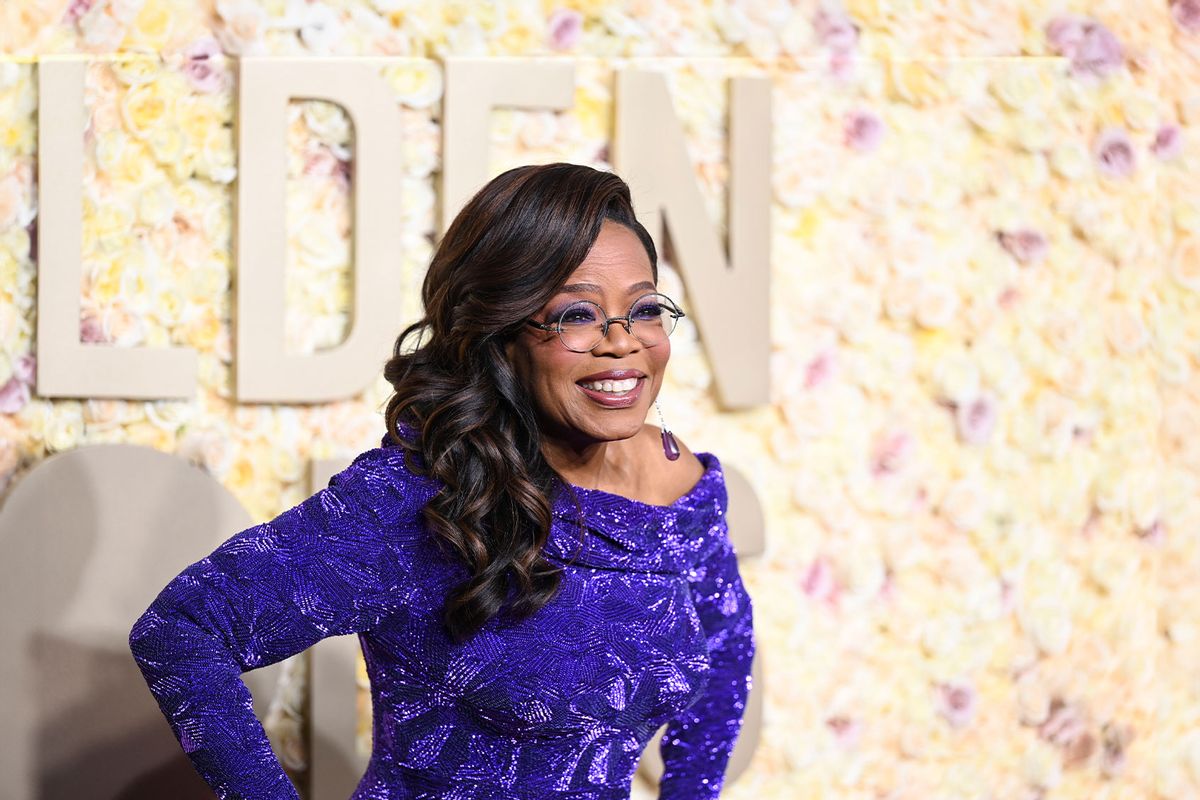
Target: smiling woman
x,y
536,588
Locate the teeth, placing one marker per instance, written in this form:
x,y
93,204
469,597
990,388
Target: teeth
x,y
612,387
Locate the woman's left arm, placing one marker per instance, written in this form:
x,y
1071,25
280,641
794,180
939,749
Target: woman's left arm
x,y
696,745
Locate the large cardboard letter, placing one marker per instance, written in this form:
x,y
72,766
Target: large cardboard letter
x,y
730,298
78,718
66,367
473,88
264,372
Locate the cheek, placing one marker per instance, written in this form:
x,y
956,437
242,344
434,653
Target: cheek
x,y
660,355
556,368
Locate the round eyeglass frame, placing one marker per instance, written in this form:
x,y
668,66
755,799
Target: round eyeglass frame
x,y
670,305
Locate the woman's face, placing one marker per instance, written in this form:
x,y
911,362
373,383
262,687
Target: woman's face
x,y
615,272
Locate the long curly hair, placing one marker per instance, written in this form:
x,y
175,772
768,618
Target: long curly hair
x,y
500,261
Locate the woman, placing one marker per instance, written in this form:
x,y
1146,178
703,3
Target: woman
x,y
539,579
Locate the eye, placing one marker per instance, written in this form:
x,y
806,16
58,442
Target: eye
x,y
578,315
649,310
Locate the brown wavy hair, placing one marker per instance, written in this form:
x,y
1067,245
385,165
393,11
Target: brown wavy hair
x,y
500,261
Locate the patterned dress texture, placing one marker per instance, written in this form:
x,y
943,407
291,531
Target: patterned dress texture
x,y
651,626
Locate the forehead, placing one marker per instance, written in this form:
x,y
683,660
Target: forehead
x,y
616,261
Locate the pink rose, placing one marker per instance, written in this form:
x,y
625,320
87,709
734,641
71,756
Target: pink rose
x,y
1168,142
1186,14
91,329
1067,728
1114,153
1093,49
565,28
835,29
891,452
820,369
846,730
819,581
204,65
14,396
956,701
976,419
1154,534
77,9
25,368
1025,244
862,130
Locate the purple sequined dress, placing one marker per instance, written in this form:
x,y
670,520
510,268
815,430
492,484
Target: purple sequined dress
x,y
652,625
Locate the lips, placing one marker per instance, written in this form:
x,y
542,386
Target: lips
x,y
612,375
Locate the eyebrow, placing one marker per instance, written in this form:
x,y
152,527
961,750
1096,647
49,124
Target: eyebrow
x,y
591,287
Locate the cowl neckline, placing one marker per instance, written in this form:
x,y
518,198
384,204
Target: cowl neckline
x,y
611,531
614,532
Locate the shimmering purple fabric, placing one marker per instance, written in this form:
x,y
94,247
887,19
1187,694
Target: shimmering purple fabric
x,y
652,625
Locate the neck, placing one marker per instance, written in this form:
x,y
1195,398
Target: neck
x,y
587,462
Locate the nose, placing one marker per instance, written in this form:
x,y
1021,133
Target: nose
x,y
618,340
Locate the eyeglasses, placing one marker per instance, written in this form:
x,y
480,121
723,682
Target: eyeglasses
x,y
584,324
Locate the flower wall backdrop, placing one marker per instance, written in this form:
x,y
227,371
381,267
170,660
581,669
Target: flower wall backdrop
x,y
979,464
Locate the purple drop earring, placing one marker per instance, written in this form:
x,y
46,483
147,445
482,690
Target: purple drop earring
x,y
670,447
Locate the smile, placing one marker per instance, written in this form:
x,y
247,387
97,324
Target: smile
x,y
614,394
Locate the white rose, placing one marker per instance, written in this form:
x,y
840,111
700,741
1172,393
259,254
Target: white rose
x,y
937,304
327,121
418,84
1041,765
956,377
156,204
64,428
1048,622
965,503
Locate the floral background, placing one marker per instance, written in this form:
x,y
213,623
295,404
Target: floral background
x,y
978,464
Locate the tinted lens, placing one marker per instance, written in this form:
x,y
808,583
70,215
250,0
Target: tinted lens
x,y
652,318
580,326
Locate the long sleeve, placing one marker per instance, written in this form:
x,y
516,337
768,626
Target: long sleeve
x,y
322,568
697,744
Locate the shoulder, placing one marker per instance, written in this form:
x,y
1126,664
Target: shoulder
x,y
382,482
685,471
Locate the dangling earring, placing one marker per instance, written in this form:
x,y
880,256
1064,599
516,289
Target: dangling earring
x,y
670,447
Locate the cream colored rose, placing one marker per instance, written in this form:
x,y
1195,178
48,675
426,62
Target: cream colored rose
x,y
64,428
1018,87
1145,498
956,378
168,143
215,157
937,305
152,26
1048,622
156,204
1041,765
101,414
1141,110
1110,489
169,415
1071,160
327,121
243,26
1033,699
965,503
1185,263
285,466
145,106
110,150
1124,328
901,297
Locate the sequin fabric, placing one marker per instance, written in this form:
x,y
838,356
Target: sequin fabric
x,y
651,626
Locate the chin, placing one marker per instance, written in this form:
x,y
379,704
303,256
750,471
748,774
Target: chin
x,y
617,430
